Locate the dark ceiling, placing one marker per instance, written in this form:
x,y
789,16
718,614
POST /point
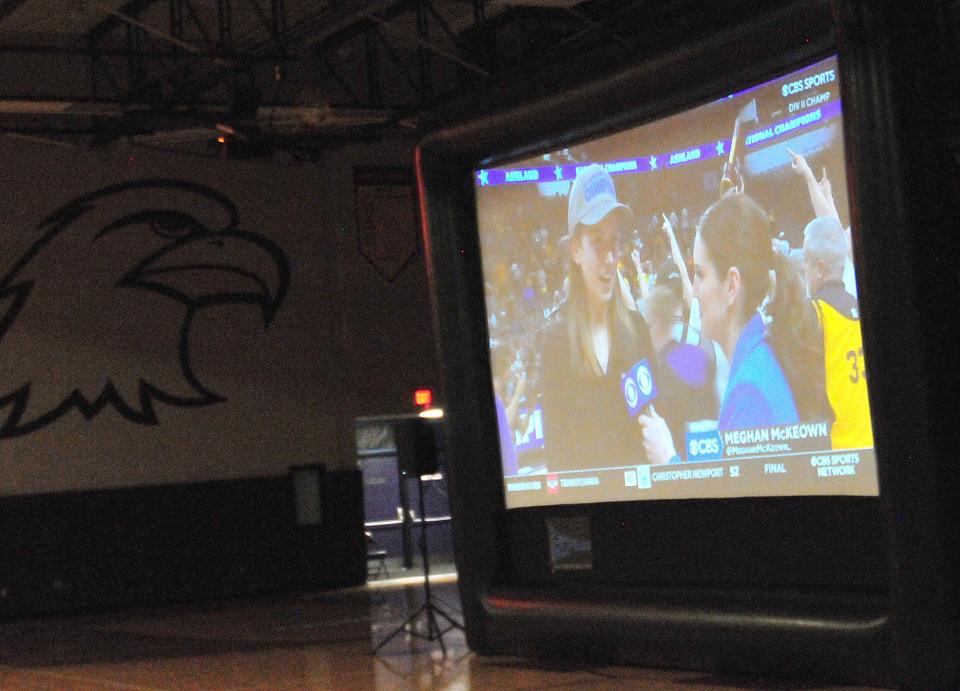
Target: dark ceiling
x,y
303,75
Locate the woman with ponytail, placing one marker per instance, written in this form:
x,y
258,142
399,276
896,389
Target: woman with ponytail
x,y
776,368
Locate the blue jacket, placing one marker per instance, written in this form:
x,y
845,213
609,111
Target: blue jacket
x,y
757,394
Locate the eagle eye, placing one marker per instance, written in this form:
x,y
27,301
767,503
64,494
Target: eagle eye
x,y
173,225
170,225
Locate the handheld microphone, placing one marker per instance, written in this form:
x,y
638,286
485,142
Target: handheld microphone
x,y
638,387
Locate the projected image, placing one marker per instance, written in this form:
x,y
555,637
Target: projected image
x,y
673,309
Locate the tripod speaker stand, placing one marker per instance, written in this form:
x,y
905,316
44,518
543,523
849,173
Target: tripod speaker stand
x,y
417,453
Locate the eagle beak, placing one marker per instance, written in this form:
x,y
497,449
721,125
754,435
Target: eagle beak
x,y
217,268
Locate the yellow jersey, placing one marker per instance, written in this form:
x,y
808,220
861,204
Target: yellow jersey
x,y
846,375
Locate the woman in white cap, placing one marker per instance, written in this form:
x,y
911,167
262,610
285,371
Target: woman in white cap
x,y
597,338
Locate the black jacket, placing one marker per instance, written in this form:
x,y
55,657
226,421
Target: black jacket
x,y
585,419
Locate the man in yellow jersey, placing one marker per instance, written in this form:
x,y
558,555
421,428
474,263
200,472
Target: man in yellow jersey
x,y
824,250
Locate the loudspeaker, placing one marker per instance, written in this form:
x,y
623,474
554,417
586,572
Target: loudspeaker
x,y
416,442
307,485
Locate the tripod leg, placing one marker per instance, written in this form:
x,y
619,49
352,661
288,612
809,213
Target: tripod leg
x,y
434,630
386,640
405,627
453,622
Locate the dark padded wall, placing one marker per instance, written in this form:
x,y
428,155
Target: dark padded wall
x,y
174,543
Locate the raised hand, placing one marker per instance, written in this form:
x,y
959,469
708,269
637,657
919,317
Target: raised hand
x,y
826,186
799,164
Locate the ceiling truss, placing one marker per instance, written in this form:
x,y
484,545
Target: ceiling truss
x,y
310,72
333,70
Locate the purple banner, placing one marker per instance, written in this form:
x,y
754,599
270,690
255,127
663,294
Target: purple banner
x,y
654,162
568,172
799,121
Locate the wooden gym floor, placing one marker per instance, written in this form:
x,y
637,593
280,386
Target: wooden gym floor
x,y
312,641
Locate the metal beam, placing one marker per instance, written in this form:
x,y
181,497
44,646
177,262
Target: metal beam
x,y
403,35
591,30
8,7
438,18
261,15
136,67
224,24
198,23
176,18
593,24
397,59
104,70
278,21
338,77
167,78
348,14
479,13
373,66
15,106
132,9
99,50
163,36
423,33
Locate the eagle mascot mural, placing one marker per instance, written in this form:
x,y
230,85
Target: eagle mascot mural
x,y
97,313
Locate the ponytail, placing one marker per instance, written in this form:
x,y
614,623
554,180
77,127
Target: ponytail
x,y
795,336
736,232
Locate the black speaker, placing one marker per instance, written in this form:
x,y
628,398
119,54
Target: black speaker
x,y
416,442
307,485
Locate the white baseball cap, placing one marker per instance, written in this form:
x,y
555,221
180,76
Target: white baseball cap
x,y
592,197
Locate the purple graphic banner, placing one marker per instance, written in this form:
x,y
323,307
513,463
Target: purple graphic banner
x,y
654,162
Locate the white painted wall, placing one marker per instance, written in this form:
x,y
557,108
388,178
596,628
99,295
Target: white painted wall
x,y
344,341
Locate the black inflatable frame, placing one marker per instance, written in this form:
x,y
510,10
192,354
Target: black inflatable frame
x,y
859,590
